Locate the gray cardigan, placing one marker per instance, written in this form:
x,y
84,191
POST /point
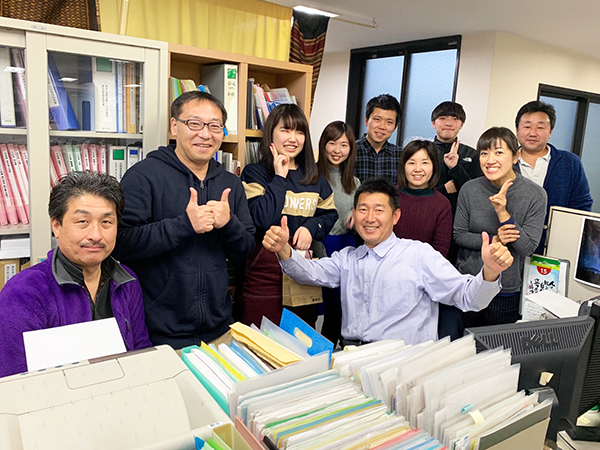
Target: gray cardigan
x,y
526,204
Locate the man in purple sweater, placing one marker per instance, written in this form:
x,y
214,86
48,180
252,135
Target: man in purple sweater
x,y
79,281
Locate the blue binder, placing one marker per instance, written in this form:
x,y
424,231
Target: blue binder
x,y
60,107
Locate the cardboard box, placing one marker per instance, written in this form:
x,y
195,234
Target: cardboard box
x,y
146,399
8,269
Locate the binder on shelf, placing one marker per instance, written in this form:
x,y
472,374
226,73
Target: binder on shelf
x,y
102,157
19,85
58,161
85,157
18,199
77,157
223,82
9,205
53,175
3,216
93,157
69,157
131,98
58,100
134,154
24,158
120,89
7,99
86,107
117,161
105,99
250,106
140,97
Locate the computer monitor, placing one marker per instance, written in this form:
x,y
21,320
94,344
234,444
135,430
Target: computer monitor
x,y
587,267
561,347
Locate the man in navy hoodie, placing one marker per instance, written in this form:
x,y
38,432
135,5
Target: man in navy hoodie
x,y
184,217
559,172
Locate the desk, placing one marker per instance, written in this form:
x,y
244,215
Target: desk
x,y
565,443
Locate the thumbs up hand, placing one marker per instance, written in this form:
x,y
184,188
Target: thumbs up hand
x,y
220,209
495,256
201,216
276,239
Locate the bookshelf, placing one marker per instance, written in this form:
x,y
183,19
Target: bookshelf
x,y
71,54
186,63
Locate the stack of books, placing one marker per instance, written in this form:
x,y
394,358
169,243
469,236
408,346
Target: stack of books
x,y
262,101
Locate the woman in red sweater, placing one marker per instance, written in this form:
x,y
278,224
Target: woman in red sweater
x,y
426,213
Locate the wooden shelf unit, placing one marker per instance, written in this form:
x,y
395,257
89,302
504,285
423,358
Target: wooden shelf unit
x,y
187,62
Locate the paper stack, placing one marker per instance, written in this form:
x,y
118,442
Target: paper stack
x,y
252,352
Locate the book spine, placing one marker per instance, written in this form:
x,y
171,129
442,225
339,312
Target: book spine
x,y
20,83
24,158
93,157
58,161
69,158
58,100
7,99
77,157
103,167
103,77
85,157
117,161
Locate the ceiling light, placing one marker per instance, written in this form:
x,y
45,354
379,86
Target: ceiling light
x,y
307,10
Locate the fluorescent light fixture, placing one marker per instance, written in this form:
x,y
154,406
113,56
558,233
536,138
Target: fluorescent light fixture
x,y
307,10
67,79
14,69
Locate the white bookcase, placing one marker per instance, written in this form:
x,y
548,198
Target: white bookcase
x,y
74,50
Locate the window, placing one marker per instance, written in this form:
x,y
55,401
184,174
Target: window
x,y
420,74
577,129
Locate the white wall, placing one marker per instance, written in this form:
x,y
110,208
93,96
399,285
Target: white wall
x,y
474,78
331,95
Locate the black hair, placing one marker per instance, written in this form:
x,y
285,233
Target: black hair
x,y
76,184
412,148
333,132
378,185
199,96
537,106
384,101
449,109
293,118
492,136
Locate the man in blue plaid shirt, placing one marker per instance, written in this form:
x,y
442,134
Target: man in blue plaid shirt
x,y
375,155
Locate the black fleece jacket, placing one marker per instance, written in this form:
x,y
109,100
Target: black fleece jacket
x,y
183,274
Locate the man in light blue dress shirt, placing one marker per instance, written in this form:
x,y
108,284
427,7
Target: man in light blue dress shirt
x,y
391,287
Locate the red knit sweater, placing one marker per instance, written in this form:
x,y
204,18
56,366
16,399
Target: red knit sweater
x,y
426,218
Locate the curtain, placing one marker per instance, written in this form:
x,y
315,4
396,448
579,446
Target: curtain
x,y
249,27
69,13
308,42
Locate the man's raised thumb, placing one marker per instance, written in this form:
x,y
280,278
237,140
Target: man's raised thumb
x,y
193,196
485,238
225,195
284,223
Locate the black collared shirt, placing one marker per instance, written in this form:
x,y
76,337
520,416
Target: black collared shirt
x,y
67,271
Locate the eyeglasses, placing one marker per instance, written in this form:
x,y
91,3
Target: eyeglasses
x,y
198,125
